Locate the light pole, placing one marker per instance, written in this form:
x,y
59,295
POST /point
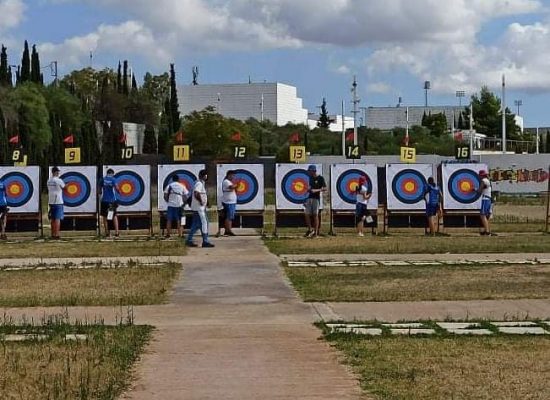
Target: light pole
x,y
427,86
518,104
460,94
364,109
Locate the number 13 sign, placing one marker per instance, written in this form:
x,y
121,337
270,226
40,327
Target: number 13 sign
x,y
297,154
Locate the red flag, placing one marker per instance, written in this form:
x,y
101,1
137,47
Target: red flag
x,y
236,137
122,138
349,136
14,139
406,141
68,139
294,138
179,137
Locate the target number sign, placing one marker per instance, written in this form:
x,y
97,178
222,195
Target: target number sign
x,y
462,152
239,152
22,162
127,153
77,189
297,154
181,152
17,155
353,153
72,155
408,154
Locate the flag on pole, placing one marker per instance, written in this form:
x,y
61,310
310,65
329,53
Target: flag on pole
x,y
122,138
179,137
68,139
349,135
236,137
294,138
14,139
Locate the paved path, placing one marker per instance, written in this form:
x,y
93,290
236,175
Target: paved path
x,y
419,257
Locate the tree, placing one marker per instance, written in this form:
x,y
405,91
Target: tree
x,y
5,73
125,90
119,78
324,119
488,116
174,104
436,124
25,73
547,141
36,74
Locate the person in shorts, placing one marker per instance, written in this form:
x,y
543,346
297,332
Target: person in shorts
x,y
486,204
198,206
176,194
108,190
316,186
433,197
229,201
55,201
3,211
362,199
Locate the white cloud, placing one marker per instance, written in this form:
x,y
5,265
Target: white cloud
x,y
379,87
11,13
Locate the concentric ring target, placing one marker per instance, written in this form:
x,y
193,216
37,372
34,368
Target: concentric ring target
x,y
463,185
186,178
295,186
347,184
409,186
77,189
19,189
247,189
131,188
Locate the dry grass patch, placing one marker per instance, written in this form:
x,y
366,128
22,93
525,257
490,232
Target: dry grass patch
x,y
98,367
444,368
411,283
133,285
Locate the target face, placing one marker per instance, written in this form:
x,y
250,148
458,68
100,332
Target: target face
x,y
77,189
19,189
131,188
348,182
186,178
247,189
462,186
408,186
295,186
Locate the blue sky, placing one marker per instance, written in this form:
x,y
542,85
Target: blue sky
x,y
392,46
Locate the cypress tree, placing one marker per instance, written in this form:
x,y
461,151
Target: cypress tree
x,y
424,118
460,122
134,83
5,79
548,141
119,79
174,105
25,73
324,119
125,78
36,75
4,146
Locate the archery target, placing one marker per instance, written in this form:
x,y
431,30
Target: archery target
x,y
406,185
250,191
79,195
344,182
292,185
460,185
21,183
187,174
134,185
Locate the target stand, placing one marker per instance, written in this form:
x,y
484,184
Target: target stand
x,y
23,198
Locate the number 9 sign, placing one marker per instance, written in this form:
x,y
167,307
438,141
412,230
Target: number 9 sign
x,y
72,155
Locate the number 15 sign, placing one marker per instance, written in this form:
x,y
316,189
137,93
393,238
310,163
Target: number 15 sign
x,y
408,154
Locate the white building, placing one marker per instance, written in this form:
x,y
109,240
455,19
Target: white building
x,y
335,126
276,102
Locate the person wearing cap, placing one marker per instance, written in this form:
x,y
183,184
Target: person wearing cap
x,y
3,211
55,201
486,203
229,201
108,190
198,206
433,197
362,199
316,186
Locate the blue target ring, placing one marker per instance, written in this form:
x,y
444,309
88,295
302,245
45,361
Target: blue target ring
x,y
295,186
347,183
186,178
77,189
409,186
463,185
19,189
131,188
247,189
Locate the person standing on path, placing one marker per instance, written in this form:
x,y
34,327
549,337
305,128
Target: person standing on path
x,y
361,212
317,185
55,201
175,194
433,197
108,190
486,203
229,201
198,206
3,211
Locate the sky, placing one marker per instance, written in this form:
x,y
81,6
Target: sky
x,y
391,46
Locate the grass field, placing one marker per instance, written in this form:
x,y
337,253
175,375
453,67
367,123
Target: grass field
x,y
137,285
92,248
445,368
410,244
410,283
98,367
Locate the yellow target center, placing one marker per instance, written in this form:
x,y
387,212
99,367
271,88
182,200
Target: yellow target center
x,y
240,187
409,187
72,189
15,190
126,188
465,186
354,186
299,186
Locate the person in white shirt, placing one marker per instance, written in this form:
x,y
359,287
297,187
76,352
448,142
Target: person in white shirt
x,y
229,201
486,204
176,194
198,206
362,197
55,201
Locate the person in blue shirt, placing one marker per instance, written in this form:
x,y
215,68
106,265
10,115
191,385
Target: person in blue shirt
x,y
433,197
3,211
108,190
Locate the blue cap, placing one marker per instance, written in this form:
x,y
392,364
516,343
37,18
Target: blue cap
x,y
312,168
